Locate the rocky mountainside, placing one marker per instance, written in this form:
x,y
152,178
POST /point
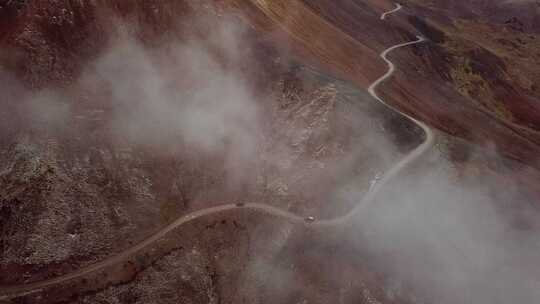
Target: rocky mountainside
x,y
111,134
118,117
475,77
485,50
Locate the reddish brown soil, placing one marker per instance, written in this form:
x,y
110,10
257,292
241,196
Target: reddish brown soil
x,y
424,86
47,45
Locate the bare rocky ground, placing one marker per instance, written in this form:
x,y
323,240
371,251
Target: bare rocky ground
x,y
74,192
238,257
67,206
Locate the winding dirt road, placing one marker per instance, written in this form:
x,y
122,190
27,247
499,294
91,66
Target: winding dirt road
x,y
8,292
398,7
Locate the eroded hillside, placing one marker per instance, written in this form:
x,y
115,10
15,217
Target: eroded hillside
x,y
122,117
118,118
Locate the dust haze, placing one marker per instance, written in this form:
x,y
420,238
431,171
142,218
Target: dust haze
x,y
191,100
457,238
436,231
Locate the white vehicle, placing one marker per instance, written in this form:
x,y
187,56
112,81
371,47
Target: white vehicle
x,y
310,219
375,180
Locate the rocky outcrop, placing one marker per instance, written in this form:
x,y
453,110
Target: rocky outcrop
x,y
91,164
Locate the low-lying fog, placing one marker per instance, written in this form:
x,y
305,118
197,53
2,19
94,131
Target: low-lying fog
x,y
441,233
